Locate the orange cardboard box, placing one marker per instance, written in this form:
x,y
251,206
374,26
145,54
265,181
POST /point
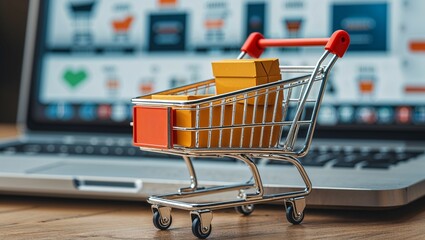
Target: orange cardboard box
x,y
187,118
232,75
180,97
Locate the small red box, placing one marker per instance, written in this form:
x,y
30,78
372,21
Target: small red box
x,y
152,127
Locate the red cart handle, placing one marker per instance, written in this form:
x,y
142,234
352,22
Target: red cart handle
x,y
336,44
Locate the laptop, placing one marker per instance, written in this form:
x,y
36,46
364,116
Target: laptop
x,y
85,59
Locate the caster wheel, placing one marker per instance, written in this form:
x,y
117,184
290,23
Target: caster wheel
x,y
160,223
292,217
197,229
245,209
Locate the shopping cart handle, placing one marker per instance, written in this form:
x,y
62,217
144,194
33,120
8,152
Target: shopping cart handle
x,y
336,44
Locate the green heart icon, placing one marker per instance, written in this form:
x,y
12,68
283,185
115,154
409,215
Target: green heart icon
x,y
74,78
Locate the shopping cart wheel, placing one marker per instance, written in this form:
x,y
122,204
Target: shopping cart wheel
x,y
292,216
162,223
198,230
201,223
245,209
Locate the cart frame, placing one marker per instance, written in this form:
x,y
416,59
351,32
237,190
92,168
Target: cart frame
x,y
250,192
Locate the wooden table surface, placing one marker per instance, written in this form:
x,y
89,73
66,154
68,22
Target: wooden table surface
x,y
8,130
56,218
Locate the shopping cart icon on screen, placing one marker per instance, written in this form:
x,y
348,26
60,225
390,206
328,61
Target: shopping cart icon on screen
x,y
81,12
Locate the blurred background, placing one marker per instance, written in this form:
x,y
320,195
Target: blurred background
x,y
130,48
13,15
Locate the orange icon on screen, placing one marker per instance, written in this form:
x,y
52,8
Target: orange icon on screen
x,y
112,84
146,87
167,2
293,25
214,23
367,81
417,46
366,86
414,89
122,25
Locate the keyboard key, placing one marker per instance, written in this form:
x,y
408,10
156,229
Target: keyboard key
x,y
403,156
64,149
78,149
104,150
118,151
350,161
278,162
32,148
49,148
378,165
317,159
89,150
383,160
132,151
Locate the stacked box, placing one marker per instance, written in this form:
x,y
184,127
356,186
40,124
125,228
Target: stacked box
x,y
233,75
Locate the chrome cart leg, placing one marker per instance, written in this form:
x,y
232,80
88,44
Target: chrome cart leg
x,y
258,184
161,217
201,223
244,209
193,179
300,169
295,206
295,210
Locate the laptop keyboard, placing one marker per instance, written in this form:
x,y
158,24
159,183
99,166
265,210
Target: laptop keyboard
x,y
92,150
78,149
355,158
318,158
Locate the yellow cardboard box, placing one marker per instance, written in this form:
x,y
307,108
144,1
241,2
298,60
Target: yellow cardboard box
x,y
187,118
232,75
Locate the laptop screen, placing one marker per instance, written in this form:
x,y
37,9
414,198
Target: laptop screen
x,y
93,56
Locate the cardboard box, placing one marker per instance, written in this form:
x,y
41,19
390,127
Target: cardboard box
x,y
233,75
180,97
187,118
152,127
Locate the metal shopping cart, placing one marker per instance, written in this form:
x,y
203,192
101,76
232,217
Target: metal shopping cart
x,y
238,125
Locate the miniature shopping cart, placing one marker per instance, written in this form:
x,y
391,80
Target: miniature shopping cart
x,y
275,120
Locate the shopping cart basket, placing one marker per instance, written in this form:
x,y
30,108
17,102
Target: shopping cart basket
x,y
238,125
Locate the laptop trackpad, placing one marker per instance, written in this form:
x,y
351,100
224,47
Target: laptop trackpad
x,y
127,170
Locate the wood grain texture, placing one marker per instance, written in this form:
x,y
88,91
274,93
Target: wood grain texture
x,y
8,130
51,218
